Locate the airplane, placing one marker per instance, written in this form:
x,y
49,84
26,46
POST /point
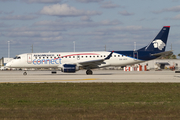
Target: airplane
x,y
70,62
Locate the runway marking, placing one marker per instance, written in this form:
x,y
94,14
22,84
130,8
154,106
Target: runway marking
x,y
80,79
50,81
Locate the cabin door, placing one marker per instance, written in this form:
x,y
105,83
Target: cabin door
x,y
135,55
29,58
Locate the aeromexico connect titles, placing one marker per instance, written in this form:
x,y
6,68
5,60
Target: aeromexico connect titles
x,y
71,62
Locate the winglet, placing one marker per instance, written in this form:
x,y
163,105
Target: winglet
x,y
109,56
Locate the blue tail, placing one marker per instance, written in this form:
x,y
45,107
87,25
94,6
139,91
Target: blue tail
x,y
159,42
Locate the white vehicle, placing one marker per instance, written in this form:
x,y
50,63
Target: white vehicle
x,y
70,62
3,68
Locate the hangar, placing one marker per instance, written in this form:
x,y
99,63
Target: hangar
x,y
4,61
162,64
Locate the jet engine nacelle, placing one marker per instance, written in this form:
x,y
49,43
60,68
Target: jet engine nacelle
x,y
69,68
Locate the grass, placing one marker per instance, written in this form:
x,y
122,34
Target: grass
x,y
87,101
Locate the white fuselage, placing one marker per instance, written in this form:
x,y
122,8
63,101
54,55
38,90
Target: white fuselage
x,y
56,60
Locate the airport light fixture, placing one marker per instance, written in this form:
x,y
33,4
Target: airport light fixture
x,y
8,49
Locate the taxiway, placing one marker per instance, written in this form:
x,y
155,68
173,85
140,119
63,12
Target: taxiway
x,y
98,76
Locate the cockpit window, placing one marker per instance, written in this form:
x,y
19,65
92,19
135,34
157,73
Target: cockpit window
x,y
17,57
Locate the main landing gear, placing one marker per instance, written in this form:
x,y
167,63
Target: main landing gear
x,y
25,73
53,72
89,72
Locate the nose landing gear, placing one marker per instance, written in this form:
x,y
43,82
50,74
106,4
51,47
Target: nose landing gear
x,y
25,73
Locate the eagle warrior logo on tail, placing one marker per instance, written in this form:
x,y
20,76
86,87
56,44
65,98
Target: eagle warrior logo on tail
x,y
159,44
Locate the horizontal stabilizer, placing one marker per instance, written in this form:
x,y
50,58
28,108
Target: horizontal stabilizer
x,y
163,53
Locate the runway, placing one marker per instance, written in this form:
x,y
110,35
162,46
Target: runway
x,y
111,76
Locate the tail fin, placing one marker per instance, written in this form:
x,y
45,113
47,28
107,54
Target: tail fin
x,y
159,42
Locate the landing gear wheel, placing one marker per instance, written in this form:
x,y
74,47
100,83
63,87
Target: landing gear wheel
x,y
53,72
89,72
25,73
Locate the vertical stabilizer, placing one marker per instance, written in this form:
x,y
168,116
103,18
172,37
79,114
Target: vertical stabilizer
x,y
159,42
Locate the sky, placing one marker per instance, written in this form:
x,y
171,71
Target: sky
x,y
89,25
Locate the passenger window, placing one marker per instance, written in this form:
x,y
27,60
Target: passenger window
x,y
69,56
114,55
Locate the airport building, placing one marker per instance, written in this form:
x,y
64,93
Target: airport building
x,y
157,64
162,64
4,61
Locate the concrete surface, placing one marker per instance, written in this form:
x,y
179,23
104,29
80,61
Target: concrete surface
x,y
98,76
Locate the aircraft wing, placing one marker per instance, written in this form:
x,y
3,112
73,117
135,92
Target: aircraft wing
x,y
166,53
95,63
